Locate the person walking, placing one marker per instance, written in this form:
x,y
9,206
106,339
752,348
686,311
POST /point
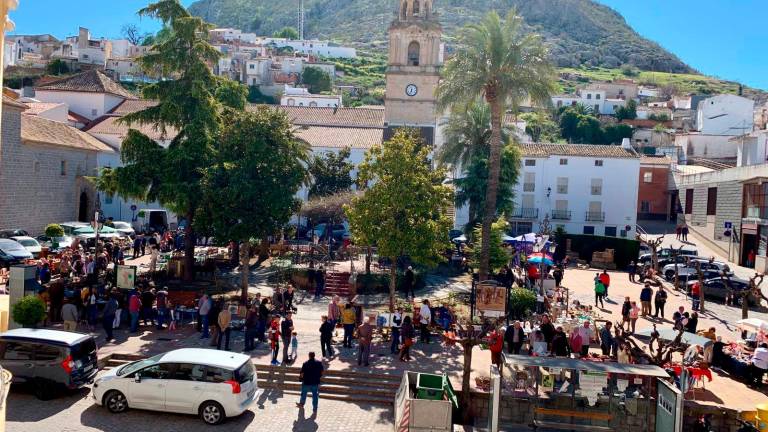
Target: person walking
x,y
364,339
286,329
161,300
134,307
407,334
348,320
685,233
408,281
599,292
646,294
69,315
251,327
204,308
626,308
515,337
632,270
274,339
557,273
606,280
696,295
224,319
108,317
496,346
310,375
397,321
263,320
425,317
326,337
320,281
659,300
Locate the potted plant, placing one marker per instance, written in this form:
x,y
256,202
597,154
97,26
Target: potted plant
x,y
54,232
28,312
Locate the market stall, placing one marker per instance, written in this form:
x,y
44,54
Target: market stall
x,y
575,394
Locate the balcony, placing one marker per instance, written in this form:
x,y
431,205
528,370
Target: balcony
x,y
595,216
529,187
561,215
525,213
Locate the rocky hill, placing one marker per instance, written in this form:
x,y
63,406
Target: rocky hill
x,y
580,32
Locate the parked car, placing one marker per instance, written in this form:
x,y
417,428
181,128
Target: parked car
x,y
666,254
690,268
124,228
29,244
212,384
49,360
12,252
62,242
340,231
8,233
716,288
685,279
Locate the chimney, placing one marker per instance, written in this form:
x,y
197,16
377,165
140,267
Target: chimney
x,y
82,37
626,143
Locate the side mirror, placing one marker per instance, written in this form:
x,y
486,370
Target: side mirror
x,y
137,378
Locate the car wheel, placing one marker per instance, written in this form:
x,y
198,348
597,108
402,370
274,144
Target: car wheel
x,y
212,413
115,402
44,390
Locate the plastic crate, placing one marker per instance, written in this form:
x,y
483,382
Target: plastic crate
x,y
429,386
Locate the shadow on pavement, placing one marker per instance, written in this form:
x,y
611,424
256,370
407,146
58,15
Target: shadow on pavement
x,y
21,399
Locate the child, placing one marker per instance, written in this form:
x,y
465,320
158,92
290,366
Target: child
x,y
274,340
294,347
171,316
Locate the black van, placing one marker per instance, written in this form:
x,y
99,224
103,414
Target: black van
x,y
49,360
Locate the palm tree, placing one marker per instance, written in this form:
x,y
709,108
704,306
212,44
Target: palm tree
x,y
497,62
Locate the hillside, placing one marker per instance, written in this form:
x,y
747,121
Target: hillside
x,y
579,32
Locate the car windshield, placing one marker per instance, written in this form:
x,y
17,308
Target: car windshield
x,y
28,242
121,225
84,349
245,372
11,246
138,365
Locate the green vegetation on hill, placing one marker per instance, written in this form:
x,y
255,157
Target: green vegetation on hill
x,y
579,32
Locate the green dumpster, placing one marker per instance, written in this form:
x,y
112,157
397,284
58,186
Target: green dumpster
x,y
429,386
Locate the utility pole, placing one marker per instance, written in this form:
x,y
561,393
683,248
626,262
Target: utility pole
x,y
300,26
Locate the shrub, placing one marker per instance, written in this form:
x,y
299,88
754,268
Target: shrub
x,y
29,311
521,302
54,230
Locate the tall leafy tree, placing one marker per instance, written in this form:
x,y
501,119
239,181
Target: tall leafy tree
x,y
497,61
289,33
540,127
250,187
330,173
187,106
402,210
316,79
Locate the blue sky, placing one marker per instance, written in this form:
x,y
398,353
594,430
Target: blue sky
x,y
724,38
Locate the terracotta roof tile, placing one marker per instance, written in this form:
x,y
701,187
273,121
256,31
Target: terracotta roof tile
x,y
92,81
43,131
109,125
129,106
315,116
340,137
585,150
36,108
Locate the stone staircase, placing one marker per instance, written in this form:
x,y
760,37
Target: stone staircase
x,y
337,283
365,387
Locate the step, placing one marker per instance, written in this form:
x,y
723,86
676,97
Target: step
x,y
384,401
331,380
347,374
331,389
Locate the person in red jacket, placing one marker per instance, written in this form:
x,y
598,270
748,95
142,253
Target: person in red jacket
x,y
606,280
695,295
496,344
134,306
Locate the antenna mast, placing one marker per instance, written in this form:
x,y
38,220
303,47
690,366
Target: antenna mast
x,y
301,20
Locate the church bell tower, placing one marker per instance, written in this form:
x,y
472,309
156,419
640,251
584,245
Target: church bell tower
x,y
413,69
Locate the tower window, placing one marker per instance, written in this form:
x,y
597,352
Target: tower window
x,y
413,54
416,7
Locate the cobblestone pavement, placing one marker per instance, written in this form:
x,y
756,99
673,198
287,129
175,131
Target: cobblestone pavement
x,y
273,412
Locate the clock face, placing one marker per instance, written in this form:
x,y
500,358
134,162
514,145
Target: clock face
x,y
411,90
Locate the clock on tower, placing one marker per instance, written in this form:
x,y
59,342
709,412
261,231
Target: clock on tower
x,y
413,69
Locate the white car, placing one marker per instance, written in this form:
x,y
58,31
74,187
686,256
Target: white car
x,y
29,244
710,269
212,384
124,228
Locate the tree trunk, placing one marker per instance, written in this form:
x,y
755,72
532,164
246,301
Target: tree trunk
x,y
466,375
189,247
245,269
494,165
392,284
368,257
745,305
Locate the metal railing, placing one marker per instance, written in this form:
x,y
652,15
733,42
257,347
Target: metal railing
x,y
525,213
561,215
594,216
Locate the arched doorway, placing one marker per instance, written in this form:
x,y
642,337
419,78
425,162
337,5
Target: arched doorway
x,y
82,214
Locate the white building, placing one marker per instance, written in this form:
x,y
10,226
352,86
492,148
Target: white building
x,y
232,35
586,189
725,114
314,47
294,96
752,148
594,99
90,94
10,53
647,92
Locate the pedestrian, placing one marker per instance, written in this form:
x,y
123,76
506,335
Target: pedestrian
x,y
204,307
607,342
606,280
557,273
213,322
646,294
288,297
171,316
496,345
364,339
678,316
407,334
560,347
547,330
334,311
678,232
311,372
134,307
758,364
397,321
408,281
632,270
91,308
425,317
154,254
685,233
326,337
223,320
137,246
251,327
274,338
599,292
286,330
161,300
751,259
144,244
515,337
294,346
695,295
634,311
693,322
147,300
320,281
348,320
108,317
586,335
626,308
659,300
263,320
70,315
